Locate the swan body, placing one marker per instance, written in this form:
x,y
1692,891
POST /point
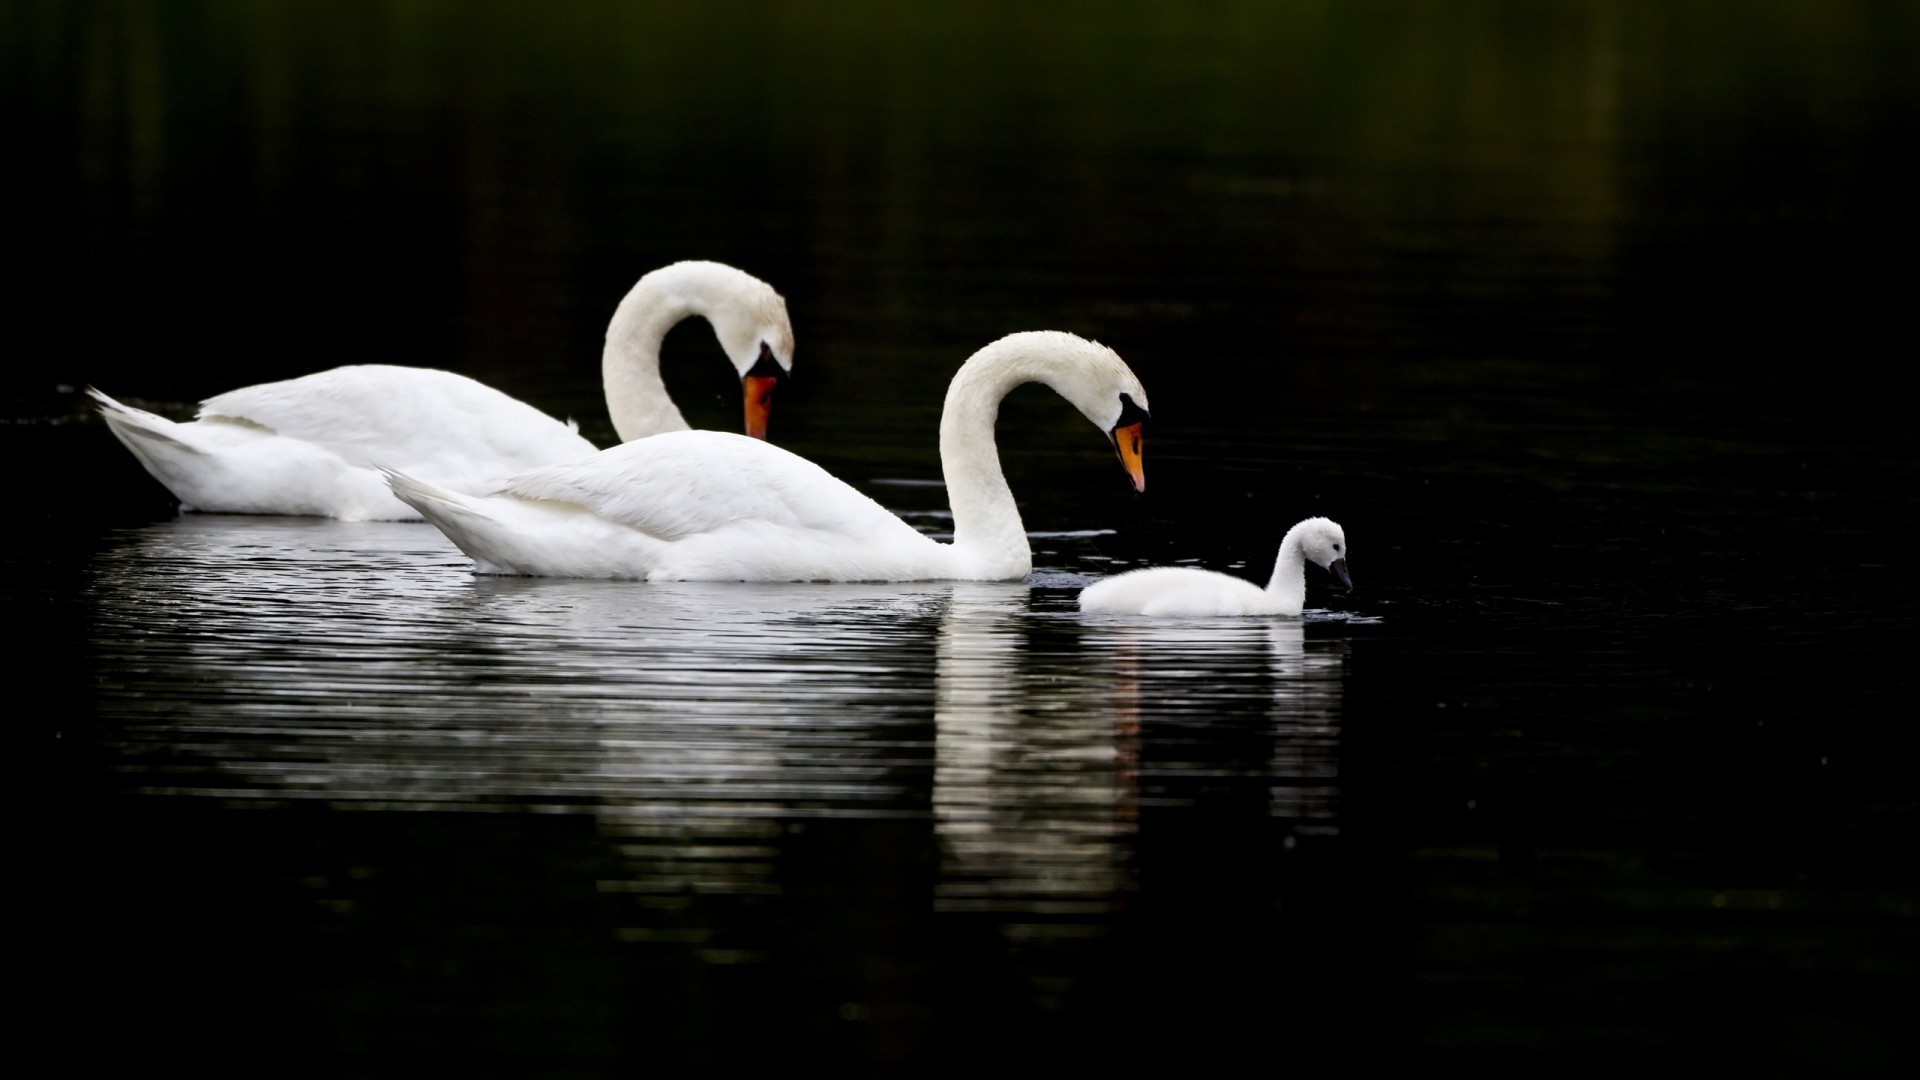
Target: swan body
x,y
312,445
1185,590
712,506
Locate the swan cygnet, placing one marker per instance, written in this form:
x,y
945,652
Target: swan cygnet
x,y
310,446
1185,590
711,506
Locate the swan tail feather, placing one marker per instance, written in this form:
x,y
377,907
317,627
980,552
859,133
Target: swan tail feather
x,y
489,541
161,446
128,423
434,503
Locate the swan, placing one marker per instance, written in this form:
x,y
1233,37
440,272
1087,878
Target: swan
x,y
306,446
1186,590
713,506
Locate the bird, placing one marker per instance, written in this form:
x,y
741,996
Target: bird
x,y
309,446
1187,590
714,506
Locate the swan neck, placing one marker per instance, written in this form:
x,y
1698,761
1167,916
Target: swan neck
x,y
630,363
989,539
1289,582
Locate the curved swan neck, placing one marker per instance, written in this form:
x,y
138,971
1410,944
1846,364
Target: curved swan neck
x,y
1289,582
630,363
988,535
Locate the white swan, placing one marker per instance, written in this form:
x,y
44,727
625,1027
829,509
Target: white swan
x,y
1185,590
710,506
307,446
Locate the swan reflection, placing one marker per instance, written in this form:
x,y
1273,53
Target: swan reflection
x,y
1033,781
369,655
272,661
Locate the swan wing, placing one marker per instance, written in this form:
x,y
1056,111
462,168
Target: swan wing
x,y
435,422
679,485
680,506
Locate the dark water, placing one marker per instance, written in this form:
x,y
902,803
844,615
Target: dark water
x,y
1581,318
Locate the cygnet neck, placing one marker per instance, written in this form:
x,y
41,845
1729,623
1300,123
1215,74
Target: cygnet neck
x,y
1289,582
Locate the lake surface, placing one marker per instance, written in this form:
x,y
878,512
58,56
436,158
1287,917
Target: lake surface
x,y
1573,318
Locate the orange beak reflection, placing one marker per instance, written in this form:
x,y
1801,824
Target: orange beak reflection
x,y
1130,441
759,394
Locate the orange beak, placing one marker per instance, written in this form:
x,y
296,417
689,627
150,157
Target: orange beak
x,y
759,393
1130,442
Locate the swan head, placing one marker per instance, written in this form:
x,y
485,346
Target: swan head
x,y
748,317
754,330
1098,383
1324,543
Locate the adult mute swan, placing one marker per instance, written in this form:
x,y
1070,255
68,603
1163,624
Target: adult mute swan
x,y
1185,590
711,506
308,446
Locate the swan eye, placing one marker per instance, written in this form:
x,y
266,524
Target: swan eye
x,y
1336,547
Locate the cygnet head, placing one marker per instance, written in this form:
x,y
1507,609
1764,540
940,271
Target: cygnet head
x,y
1324,543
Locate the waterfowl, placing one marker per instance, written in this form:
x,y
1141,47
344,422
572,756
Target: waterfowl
x,y
1185,590
712,506
308,446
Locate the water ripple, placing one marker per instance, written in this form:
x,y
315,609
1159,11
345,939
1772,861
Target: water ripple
x,y
265,662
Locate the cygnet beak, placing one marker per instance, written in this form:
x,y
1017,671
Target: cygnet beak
x,y
1338,568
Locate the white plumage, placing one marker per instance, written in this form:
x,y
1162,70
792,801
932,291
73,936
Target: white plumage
x,y
702,505
1182,590
313,445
